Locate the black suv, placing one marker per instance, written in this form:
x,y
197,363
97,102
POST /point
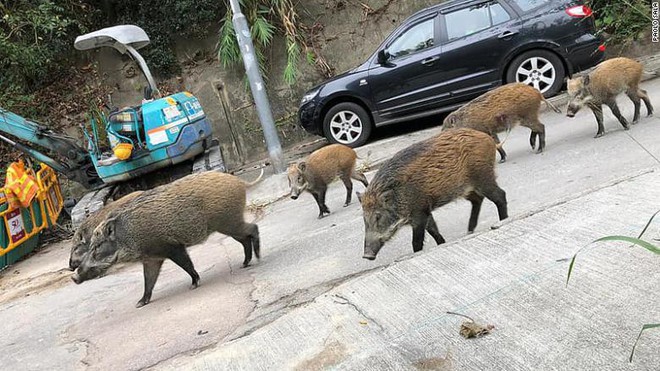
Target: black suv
x,y
447,54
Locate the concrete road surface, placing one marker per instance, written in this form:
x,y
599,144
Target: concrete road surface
x,y
312,302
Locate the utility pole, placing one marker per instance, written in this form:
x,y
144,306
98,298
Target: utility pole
x,y
257,86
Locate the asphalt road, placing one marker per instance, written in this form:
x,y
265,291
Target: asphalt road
x,y
50,323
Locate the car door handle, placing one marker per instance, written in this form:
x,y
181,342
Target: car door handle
x,y
430,61
507,34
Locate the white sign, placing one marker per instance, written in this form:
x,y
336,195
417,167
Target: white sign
x,y
158,137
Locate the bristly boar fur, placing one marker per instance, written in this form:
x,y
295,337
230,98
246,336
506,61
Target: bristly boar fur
x,y
425,176
83,235
161,223
602,85
321,168
501,109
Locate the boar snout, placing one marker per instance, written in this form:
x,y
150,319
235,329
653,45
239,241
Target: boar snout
x,y
371,249
294,197
77,279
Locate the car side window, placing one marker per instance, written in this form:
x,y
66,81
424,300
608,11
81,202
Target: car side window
x,y
476,18
526,5
416,38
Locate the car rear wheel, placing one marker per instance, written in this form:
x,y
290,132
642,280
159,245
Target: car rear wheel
x,y
538,68
347,123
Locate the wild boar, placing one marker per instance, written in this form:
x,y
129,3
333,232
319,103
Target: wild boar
x,y
602,85
425,176
501,109
83,235
321,168
161,223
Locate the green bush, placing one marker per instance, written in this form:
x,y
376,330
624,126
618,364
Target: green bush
x,y
622,20
36,40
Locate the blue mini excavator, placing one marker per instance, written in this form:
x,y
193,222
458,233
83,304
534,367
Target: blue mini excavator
x,y
159,137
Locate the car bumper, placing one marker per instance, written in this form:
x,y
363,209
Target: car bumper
x,y
308,117
584,53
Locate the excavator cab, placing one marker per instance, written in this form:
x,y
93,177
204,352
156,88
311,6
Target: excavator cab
x,y
157,133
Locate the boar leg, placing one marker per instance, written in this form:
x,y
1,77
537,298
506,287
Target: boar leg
x,y
321,203
432,228
151,269
418,226
497,195
476,200
253,233
647,102
615,110
246,241
538,129
500,150
632,94
181,258
598,112
346,178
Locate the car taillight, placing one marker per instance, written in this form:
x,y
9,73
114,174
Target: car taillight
x,y
579,11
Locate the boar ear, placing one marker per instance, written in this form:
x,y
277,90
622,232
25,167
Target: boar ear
x,y
585,80
302,166
359,196
110,229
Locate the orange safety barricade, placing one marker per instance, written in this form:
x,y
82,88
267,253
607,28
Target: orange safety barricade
x,y
20,225
20,185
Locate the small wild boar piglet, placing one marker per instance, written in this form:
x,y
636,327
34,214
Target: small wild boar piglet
x,y
427,175
501,109
602,85
161,223
321,168
83,234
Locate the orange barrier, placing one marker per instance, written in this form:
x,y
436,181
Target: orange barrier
x,y
19,226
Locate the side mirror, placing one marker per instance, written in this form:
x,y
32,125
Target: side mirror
x,y
383,56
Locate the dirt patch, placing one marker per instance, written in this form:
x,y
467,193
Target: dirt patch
x,y
17,288
331,355
433,363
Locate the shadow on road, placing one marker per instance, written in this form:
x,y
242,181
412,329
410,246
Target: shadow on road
x,y
406,127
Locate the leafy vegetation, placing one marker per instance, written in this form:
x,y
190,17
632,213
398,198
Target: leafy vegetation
x,y
266,17
36,42
622,20
635,241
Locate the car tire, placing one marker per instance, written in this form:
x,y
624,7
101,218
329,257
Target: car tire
x,y
538,68
348,124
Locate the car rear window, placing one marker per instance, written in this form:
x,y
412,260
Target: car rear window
x,y
526,5
471,20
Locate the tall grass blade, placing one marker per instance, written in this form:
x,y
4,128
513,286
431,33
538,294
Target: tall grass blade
x,y
644,328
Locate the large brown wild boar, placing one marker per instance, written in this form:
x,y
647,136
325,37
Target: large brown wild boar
x,y
161,223
83,235
501,109
429,174
602,85
321,168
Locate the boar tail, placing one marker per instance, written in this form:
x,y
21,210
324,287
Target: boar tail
x,y
552,106
503,118
250,184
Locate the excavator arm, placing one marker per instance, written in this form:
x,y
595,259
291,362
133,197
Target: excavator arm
x,y
72,160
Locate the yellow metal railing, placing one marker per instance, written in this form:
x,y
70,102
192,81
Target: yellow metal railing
x,y
21,224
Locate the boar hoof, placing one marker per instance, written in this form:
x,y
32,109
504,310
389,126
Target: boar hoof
x,y
598,135
346,204
502,161
142,303
194,285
